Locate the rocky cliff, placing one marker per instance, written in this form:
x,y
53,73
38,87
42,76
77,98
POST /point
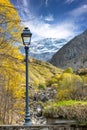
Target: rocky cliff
x,y
73,54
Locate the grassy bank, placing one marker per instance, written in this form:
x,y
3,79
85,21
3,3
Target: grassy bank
x,y
72,110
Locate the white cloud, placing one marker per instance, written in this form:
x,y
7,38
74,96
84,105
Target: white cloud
x,y
79,11
41,30
66,29
49,18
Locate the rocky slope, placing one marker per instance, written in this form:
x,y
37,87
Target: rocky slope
x,y
73,54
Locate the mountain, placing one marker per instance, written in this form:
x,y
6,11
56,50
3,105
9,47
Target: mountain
x,y
44,49
73,54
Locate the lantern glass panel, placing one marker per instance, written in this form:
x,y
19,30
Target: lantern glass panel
x,y
26,40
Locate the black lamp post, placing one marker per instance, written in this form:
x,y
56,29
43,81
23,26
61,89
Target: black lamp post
x,y
26,38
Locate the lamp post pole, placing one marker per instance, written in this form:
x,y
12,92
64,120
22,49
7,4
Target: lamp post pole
x,y
26,37
27,116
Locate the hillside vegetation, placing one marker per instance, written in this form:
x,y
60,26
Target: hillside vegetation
x,y
41,71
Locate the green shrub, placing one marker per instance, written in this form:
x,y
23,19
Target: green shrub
x,y
68,70
42,86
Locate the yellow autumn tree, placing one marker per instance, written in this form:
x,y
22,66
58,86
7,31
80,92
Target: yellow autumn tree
x,y
9,23
11,65
69,87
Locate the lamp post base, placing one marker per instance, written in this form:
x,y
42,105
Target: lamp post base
x,y
27,121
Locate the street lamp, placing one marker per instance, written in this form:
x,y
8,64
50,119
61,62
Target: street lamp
x,y
26,38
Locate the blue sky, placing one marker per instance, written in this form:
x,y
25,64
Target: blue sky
x,y
53,18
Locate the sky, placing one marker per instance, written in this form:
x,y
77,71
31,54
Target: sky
x,y
61,19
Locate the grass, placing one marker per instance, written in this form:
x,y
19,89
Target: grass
x,y
70,103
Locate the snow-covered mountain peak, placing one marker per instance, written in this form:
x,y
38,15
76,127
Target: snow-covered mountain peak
x,y
44,49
